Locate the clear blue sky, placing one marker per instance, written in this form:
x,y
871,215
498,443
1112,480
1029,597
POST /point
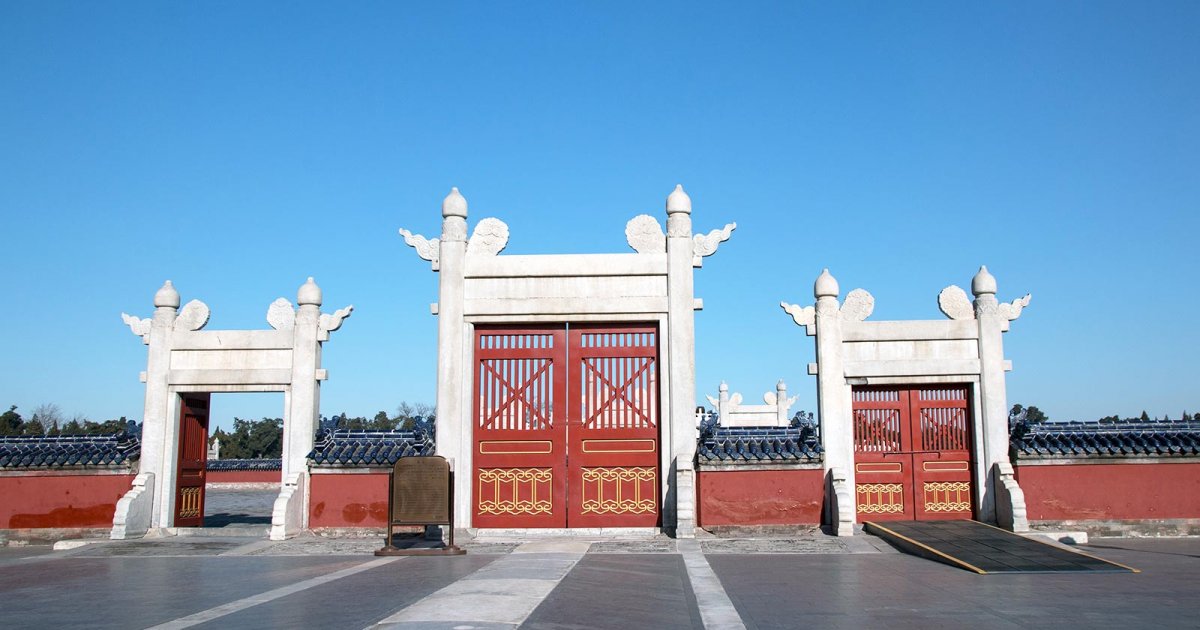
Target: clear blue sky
x,y
237,148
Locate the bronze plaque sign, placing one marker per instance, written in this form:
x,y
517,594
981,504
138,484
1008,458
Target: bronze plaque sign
x,y
421,491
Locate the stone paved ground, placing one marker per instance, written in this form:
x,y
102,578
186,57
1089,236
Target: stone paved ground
x,y
818,582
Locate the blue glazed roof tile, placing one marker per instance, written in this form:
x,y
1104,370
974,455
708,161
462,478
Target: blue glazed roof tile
x,y
346,447
758,445
1095,439
36,451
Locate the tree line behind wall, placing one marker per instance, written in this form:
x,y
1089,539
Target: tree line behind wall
x,y
1033,415
49,420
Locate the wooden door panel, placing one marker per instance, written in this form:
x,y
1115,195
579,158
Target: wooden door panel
x,y
614,421
942,471
912,452
520,427
192,461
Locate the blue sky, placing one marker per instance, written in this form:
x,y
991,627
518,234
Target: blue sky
x,y
237,148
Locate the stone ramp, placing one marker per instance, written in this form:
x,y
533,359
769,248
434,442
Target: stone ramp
x,y
984,549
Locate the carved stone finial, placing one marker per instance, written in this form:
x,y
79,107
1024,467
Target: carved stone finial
x,y
309,294
427,248
328,323
167,296
193,316
645,235
724,387
983,283
679,201
826,285
953,301
802,315
139,326
1012,310
706,244
454,205
489,238
281,315
857,306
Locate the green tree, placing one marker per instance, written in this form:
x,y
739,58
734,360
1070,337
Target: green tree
x,y
11,422
1145,417
253,439
33,427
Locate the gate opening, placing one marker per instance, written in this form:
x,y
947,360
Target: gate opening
x,y
912,453
566,426
233,482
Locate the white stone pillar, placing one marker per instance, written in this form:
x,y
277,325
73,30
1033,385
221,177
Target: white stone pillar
x,y
834,405
682,345
157,450
993,443
781,404
304,403
454,419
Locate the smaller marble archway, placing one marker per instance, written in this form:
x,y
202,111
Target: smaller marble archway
x,y
183,358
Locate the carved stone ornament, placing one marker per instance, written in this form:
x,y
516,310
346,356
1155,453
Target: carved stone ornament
x,y
427,248
645,235
139,326
713,401
802,315
454,229
1012,310
772,398
706,244
489,238
953,301
329,323
281,315
193,316
679,224
857,306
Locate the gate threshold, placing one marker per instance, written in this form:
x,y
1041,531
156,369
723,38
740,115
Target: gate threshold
x,y
984,549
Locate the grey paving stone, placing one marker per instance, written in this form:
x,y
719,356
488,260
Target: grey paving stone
x,y
664,545
819,545
623,591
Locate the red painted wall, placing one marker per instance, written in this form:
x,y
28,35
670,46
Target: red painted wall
x,y
1111,491
37,500
348,500
760,497
243,476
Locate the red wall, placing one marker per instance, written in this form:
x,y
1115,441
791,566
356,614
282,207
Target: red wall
x,y
348,500
37,500
760,497
1111,491
243,476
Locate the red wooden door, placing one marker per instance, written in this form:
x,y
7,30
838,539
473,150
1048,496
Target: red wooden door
x,y
520,428
566,426
613,431
942,462
193,458
912,453
882,454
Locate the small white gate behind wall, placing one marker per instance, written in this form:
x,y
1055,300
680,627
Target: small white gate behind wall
x,y
184,359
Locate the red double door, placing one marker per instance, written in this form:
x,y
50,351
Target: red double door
x,y
566,421
912,453
192,461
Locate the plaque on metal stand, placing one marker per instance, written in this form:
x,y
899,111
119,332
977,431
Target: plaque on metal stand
x,y
421,492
